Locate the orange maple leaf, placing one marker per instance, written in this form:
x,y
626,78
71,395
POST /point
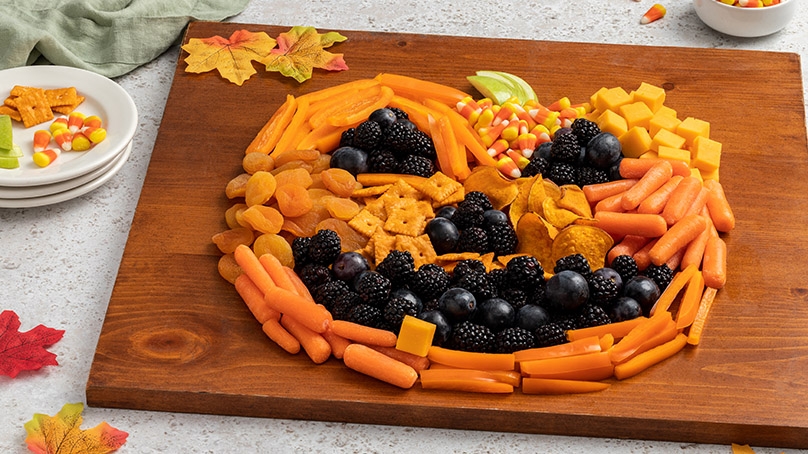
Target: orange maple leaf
x,y
62,434
302,49
233,57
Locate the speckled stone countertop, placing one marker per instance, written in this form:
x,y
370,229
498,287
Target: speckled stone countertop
x,y
58,263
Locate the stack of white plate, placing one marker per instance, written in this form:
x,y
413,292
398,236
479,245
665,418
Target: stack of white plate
x,y
73,173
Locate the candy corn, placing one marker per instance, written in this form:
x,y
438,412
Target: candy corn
x,y
63,138
45,157
42,139
655,13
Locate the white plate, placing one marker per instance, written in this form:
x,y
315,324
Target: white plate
x,y
104,98
70,193
28,192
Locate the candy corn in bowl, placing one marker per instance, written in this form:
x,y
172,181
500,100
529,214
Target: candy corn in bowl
x,y
746,18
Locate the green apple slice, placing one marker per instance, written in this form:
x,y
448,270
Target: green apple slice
x,y
498,90
528,94
6,138
14,152
9,163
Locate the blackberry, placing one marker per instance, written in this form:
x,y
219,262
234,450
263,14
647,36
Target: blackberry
x,y
478,285
574,262
602,290
513,339
565,148
395,310
537,166
525,273
593,315
550,334
471,337
430,281
502,239
398,138
584,130
300,251
400,114
368,135
326,294
382,161
431,305
420,144
473,239
468,214
538,296
365,314
341,307
625,266
517,298
417,165
346,139
562,173
324,247
566,321
373,288
661,274
398,267
499,277
591,175
314,275
468,267
479,198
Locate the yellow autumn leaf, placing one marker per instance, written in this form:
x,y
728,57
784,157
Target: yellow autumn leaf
x,y
233,57
302,49
62,434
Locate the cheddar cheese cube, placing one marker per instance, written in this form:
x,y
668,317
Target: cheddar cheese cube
x,y
415,336
690,128
611,121
651,95
662,120
635,142
650,154
677,154
666,138
706,154
667,111
636,114
613,98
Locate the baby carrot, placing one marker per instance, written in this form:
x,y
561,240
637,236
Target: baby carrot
x,y
676,259
313,316
618,330
590,366
699,202
363,334
720,210
556,386
471,360
611,203
714,263
627,246
365,360
653,179
647,359
467,380
636,167
694,333
681,199
275,331
643,256
418,363
690,301
655,203
618,224
695,250
677,237
276,272
300,287
596,192
254,298
316,347
246,259
337,343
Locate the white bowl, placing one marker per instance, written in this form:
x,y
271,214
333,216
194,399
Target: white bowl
x,y
745,22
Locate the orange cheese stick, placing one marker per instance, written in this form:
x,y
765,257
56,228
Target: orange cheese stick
x,y
365,360
363,334
471,360
556,386
467,380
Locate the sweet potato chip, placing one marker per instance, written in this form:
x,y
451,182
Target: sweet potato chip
x,y
551,189
537,196
501,191
573,199
519,206
557,216
535,239
591,242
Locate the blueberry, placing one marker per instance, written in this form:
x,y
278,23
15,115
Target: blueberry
x,y
611,274
603,150
443,330
566,291
614,171
408,294
643,290
624,308
352,159
384,117
446,212
457,304
443,234
348,265
531,316
494,217
495,313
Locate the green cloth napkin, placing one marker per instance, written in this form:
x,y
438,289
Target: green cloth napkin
x,y
110,37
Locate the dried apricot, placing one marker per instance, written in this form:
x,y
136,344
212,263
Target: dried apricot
x,y
306,224
263,218
255,162
339,181
230,215
293,200
270,243
228,268
350,239
297,164
343,209
237,187
230,239
296,155
322,163
300,177
260,188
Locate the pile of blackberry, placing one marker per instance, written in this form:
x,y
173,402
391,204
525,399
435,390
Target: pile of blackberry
x,y
581,154
391,143
474,309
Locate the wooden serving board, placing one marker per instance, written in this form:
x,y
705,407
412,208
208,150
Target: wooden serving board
x,y
177,337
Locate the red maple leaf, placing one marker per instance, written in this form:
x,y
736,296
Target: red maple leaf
x,y
25,351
